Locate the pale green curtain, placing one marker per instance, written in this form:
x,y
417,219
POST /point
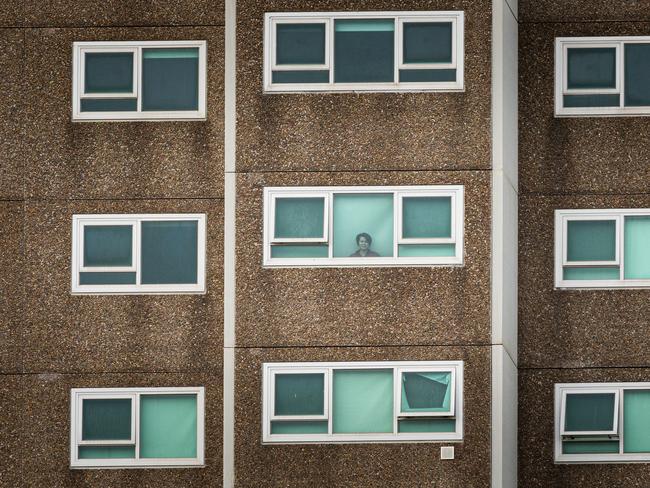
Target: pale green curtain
x,y
591,273
168,426
299,427
636,415
637,247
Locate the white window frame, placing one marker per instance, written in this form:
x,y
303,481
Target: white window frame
x,y
456,192
78,82
562,45
268,374
135,220
271,20
275,371
77,395
425,369
579,391
562,217
287,240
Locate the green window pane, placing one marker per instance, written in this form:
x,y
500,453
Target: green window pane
x,y
299,427
426,425
169,252
571,101
426,250
297,218
591,273
426,392
637,247
637,75
586,447
427,42
587,412
106,452
364,51
300,44
170,79
108,73
369,213
426,217
426,75
299,394
168,426
109,104
98,278
106,419
363,401
636,412
302,76
300,251
593,67
591,240
108,245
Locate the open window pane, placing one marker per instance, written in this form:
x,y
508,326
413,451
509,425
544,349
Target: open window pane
x,y
364,50
168,426
108,245
426,392
106,419
637,75
591,240
637,247
169,252
297,218
170,79
108,72
637,421
106,452
426,217
590,68
427,42
300,43
589,412
299,394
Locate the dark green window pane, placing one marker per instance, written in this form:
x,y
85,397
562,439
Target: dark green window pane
x,y
591,240
108,73
426,217
427,42
106,452
106,419
590,447
168,426
426,75
301,76
589,412
426,250
637,75
299,427
108,245
591,273
300,44
364,51
99,278
637,248
637,421
299,394
299,251
109,105
169,252
593,67
576,101
170,79
426,425
426,392
299,217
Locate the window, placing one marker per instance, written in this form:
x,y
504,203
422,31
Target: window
x,y
363,226
139,80
362,402
154,253
136,427
602,76
602,422
363,51
602,248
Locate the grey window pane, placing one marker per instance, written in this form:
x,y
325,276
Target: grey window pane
x,y
299,394
299,217
106,419
593,67
591,240
427,42
425,392
364,51
109,104
170,79
108,73
426,75
589,412
95,278
169,252
300,44
426,217
108,245
637,75
309,76
592,100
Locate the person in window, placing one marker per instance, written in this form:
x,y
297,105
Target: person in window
x,y
364,241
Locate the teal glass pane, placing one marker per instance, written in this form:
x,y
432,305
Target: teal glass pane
x,y
426,425
108,73
108,245
310,76
426,75
300,44
637,247
572,101
426,392
636,415
106,452
299,217
170,79
168,426
593,447
362,401
587,412
109,104
98,278
637,75
427,42
591,273
299,394
369,213
593,67
299,251
591,240
299,427
106,419
426,250
364,51
426,217
169,252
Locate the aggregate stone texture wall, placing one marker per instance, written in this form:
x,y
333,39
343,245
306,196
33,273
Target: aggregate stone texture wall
x,y
536,424
348,131
111,333
362,306
576,154
42,449
117,159
382,465
583,10
575,328
11,403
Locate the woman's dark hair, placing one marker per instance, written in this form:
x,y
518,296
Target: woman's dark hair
x,y
367,236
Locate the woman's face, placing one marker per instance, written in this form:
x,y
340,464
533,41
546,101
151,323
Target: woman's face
x,y
363,243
